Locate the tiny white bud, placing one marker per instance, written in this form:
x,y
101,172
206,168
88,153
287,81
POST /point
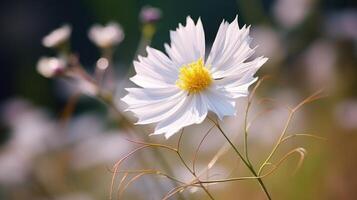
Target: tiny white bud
x,y
102,63
149,14
57,36
50,66
106,36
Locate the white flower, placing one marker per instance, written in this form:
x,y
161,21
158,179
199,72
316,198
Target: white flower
x,y
149,14
271,44
50,66
290,13
57,37
100,148
33,133
320,61
178,90
106,36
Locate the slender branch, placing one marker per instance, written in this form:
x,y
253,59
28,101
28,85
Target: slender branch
x,y
299,150
189,169
311,98
303,134
129,183
151,171
198,148
278,142
242,158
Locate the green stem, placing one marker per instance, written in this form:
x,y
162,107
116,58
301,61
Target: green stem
x,y
250,167
246,133
277,143
194,174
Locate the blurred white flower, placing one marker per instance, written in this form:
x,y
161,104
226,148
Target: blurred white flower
x,y
149,14
32,133
179,90
346,114
319,61
270,43
84,126
342,24
106,36
50,66
290,13
101,148
57,36
32,130
93,145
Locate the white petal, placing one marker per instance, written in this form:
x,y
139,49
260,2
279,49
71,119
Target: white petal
x,y
251,66
230,48
158,111
187,43
240,78
154,71
220,102
150,82
159,61
154,105
139,97
193,111
240,88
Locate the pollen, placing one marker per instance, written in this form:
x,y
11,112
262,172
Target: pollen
x,y
194,77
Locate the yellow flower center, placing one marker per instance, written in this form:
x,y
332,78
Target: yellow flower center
x,y
194,77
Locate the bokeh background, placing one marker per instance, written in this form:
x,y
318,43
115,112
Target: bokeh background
x,y
311,45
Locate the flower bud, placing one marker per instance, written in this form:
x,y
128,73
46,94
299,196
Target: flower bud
x,y
50,66
106,36
57,36
150,14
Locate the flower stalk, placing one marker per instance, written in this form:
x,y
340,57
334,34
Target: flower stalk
x,y
247,164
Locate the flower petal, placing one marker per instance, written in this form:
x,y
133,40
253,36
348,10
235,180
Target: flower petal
x,y
140,97
230,48
187,43
220,102
158,111
240,78
154,71
151,106
193,111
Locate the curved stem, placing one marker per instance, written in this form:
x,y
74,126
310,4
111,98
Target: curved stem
x,y
246,133
281,137
193,173
251,169
189,169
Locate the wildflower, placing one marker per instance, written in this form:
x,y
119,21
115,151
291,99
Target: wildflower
x,y
271,44
106,36
51,66
99,149
178,90
33,133
320,60
57,37
150,14
290,13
